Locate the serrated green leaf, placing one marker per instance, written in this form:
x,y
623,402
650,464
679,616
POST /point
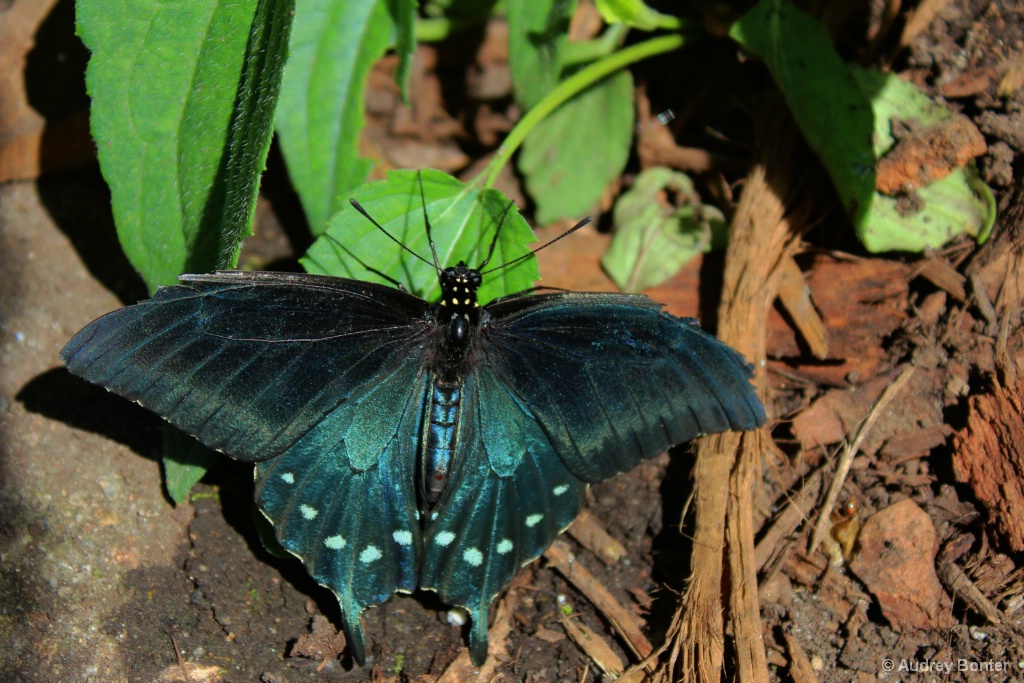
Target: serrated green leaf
x,y
636,14
185,462
537,31
334,43
652,241
164,79
832,112
936,213
571,156
463,221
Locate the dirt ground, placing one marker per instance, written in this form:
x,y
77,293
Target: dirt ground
x,y
103,579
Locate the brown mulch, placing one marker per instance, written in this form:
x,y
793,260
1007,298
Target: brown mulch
x,y
879,520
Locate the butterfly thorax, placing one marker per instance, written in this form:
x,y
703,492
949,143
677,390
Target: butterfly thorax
x,y
458,306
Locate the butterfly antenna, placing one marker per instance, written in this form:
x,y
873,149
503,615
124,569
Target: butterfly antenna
x,y
339,246
426,222
514,261
497,233
359,207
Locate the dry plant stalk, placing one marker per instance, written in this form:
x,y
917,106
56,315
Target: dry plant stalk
x,y
728,465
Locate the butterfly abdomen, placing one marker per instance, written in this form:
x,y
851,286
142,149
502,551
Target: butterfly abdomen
x,y
440,438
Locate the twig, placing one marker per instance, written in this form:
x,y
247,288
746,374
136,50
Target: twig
x,y
622,620
799,665
962,588
589,533
848,453
796,511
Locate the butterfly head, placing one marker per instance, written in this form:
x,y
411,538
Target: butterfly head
x,y
459,285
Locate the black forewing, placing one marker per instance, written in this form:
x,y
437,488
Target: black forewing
x,y
613,379
249,362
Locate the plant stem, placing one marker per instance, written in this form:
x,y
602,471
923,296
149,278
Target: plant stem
x,y
572,86
589,50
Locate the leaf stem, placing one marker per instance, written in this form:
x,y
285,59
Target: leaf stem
x,y
572,86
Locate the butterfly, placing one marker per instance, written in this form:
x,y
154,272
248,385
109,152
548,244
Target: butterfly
x,y
402,445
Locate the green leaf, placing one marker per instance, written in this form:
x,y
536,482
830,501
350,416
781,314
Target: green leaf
x,y
403,16
537,32
463,221
164,78
227,220
334,44
931,215
653,240
636,14
832,112
185,462
571,156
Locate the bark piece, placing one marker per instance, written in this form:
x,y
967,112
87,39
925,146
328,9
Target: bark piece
x,y
861,302
989,456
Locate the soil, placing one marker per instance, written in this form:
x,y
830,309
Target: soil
x,y
102,578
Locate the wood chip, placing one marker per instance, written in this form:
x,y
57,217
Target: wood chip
x,y
594,646
795,297
928,155
857,316
548,635
896,562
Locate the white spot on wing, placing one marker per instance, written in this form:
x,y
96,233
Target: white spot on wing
x,y
288,478
308,512
444,538
473,556
560,489
433,516
370,553
335,542
504,546
402,537
533,520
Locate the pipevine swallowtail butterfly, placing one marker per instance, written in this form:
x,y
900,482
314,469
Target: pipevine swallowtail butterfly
x,y
400,444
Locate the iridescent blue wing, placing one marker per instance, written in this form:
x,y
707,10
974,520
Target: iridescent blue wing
x,y
355,525
612,379
509,496
320,380
249,362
